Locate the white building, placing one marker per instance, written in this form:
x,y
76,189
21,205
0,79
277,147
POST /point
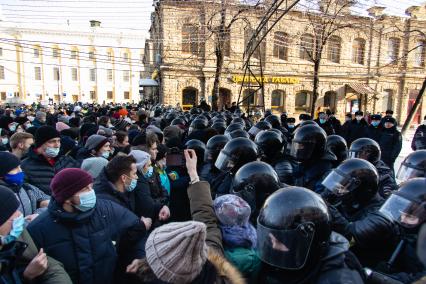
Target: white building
x,y
67,65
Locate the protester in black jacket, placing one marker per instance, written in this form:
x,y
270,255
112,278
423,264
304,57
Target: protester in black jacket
x,y
357,128
419,139
79,230
374,130
325,123
44,161
390,142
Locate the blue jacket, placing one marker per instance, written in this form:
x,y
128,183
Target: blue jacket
x,y
83,241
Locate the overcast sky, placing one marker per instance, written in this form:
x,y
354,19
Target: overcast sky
x,y
130,15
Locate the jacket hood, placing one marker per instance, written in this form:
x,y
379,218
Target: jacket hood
x,y
103,186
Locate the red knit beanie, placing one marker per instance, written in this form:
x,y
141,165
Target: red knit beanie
x,y
68,182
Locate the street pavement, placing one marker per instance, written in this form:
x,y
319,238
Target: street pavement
x,y
406,147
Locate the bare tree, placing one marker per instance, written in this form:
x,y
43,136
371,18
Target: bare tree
x,y
324,21
219,26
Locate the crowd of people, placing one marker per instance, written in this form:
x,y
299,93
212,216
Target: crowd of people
x,y
125,193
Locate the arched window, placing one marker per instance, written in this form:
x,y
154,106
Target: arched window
x,y
278,100
281,45
419,54
303,100
330,100
190,39
393,50
334,48
358,51
189,97
306,46
260,52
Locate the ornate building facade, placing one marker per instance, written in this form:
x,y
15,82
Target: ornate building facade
x,y
377,64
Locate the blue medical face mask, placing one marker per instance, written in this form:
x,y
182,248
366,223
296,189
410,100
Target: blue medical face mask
x,y
132,185
149,173
87,201
106,154
375,123
4,141
52,152
12,127
291,126
17,179
15,233
322,120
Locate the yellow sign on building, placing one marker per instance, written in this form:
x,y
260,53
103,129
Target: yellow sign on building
x,y
265,79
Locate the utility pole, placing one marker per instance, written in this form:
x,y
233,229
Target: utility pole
x,y
59,95
413,110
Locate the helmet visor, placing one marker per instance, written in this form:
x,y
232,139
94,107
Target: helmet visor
x,y
301,151
254,130
285,249
337,183
223,161
406,172
407,213
353,154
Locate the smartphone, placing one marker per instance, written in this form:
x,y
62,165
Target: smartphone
x,y
175,160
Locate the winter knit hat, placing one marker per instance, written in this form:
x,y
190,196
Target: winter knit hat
x,y
68,182
95,142
141,157
8,204
9,162
94,165
177,252
61,126
40,115
44,134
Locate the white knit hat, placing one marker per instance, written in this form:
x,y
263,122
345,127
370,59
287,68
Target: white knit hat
x,y
177,252
141,157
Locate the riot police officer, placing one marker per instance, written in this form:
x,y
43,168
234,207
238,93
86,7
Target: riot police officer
x,y
296,243
308,148
236,153
200,148
414,165
337,145
254,182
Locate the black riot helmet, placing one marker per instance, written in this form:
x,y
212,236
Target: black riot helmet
x,y
254,182
354,182
261,125
171,116
293,228
178,121
239,120
414,165
197,124
237,153
307,122
337,145
219,127
407,205
238,133
270,143
214,146
233,127
365,148
199,147
273,120
308,143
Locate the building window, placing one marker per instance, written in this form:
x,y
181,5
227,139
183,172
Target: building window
x,y
249,97
419,55
226,46
93,95
55,73
3,96
37,73
306,46
393,50
126,95
109,75
334,47
126,76
74,74
387,100
277,100
190,39
303,100
358,51
125,57
55,52
92,75
109,56
109,95
91,55
1,72
260,52
281,45
36,52
74,54
189,97
330,100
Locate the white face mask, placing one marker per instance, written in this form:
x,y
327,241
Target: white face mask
x,y
424,122
358,118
